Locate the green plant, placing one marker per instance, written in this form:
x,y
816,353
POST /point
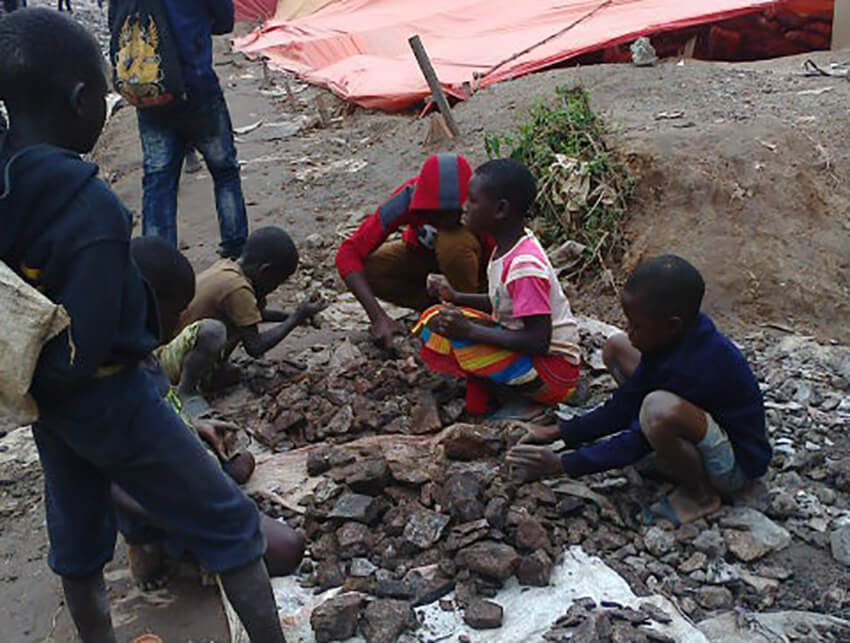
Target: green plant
x,y
583,187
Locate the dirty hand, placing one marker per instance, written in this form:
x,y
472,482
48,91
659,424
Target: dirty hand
x,y
538,433
438,286
211,433
451,323
538,461
309,307
383,331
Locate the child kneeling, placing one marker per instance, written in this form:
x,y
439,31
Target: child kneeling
x,y
521,335
686,393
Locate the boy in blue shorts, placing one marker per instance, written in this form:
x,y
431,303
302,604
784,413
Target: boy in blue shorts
x,y
686,393
101,418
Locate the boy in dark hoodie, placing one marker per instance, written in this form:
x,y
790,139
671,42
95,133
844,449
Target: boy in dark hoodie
x,y
101,418
686,393
428,207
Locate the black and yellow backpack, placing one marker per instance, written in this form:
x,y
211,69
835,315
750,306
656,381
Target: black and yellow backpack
x,y
146,67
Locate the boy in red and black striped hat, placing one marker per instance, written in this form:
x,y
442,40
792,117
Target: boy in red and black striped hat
x,y
428,206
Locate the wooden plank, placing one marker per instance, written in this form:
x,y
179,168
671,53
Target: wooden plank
x,y
841,25
433,83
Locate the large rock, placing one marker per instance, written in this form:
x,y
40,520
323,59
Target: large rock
x,y
714,597
483,615
424,528
489,558
468,442
355,539
839,539
535,569
495,512
711,543
356,506
467,533
425,416
341,422
384,620
658,542
461,495
367,477
531,535
752,534
428,584
329,574
336,618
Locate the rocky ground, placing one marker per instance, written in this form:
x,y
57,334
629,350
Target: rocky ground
x,y
749,182
379,516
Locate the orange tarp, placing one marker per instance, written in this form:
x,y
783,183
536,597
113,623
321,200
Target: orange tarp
x,y
359,48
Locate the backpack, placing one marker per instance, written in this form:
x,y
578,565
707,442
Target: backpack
x,y
146,68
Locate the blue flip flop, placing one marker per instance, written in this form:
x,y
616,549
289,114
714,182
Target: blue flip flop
x,y
665,511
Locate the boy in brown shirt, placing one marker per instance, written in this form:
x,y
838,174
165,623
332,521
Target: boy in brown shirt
x,y
234,292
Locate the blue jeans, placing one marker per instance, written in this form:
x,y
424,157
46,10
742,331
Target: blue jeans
x,y
121,430
166,135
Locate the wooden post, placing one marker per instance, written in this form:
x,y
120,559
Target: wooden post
x,y
323,111
290,96
433,83
841,25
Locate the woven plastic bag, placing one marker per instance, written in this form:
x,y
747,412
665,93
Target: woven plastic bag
x,y
28,321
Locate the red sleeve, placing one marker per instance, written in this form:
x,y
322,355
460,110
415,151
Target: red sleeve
x,y
374,230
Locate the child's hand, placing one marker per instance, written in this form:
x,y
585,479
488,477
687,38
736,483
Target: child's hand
x,y
310,307
384,329
439,286
210,433
539,462
539,434
451,323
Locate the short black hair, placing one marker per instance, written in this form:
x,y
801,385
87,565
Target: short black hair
x,y
165,268
669,286
43,55
271,245
509,180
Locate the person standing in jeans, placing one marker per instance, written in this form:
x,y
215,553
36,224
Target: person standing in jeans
x,y
202,122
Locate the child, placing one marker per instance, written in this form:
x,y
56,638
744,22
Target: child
x,y
522,333
234,292
170,276
101,418
428,207
686,393
193,353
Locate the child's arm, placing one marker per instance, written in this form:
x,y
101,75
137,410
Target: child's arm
x,y
616,452
439,286
275,315
258,343
533,338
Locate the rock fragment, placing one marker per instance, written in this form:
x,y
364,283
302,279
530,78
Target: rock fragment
x,y
483,615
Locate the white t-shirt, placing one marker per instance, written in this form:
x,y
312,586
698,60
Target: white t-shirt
x,y
522,283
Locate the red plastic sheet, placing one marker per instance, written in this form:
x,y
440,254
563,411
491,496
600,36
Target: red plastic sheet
x,y
359,48
254,10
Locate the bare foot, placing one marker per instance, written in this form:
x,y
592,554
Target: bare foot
x,y
150,568
680,507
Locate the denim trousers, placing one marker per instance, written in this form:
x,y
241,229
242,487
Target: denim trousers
x,y
120,430
166,134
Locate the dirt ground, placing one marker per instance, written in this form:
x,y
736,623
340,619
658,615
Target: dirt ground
x,y
750,183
